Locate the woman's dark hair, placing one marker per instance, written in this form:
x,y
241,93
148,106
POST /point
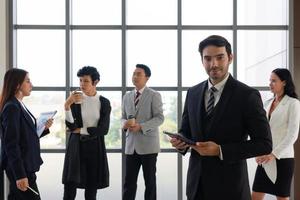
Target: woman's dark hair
x,y
145,68
215,40
89,71
13,78
285,75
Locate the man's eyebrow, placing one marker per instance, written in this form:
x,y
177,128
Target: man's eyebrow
x,y
221,54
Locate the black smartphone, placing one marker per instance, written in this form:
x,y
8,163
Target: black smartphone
x,y
180,137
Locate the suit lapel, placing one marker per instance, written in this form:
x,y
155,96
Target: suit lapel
x,y
200,99
26,115
278,110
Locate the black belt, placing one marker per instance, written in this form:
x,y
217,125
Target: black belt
x,y
84,138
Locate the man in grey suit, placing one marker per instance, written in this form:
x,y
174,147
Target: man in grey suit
x,y
142,114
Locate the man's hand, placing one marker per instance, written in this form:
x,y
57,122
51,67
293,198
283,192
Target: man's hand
x,y
135,128
207,148
265,159
178,144
22,184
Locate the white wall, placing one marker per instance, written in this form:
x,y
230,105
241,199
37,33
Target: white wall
x,y
3,39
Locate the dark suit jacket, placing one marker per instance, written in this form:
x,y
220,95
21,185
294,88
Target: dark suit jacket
x,y
238,114
20,144
71,171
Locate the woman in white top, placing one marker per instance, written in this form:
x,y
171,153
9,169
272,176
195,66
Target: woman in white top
x,y
275,171
87,118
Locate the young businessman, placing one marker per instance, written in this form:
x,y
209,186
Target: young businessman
x,y
142,135
227,119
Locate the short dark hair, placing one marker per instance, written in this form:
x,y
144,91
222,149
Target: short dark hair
x,y
215,40
89,71
285,75
13,78
145,68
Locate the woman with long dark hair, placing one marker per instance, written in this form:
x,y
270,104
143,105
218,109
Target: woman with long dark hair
x,y
20,145
275,171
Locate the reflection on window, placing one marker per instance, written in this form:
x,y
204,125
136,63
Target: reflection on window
x,y
262,12
259,52
42,54
202,12
95,12
42,12
101,49
152,12
156,49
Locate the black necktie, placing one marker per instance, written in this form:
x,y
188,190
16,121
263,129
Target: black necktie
x,y
136,99
211,101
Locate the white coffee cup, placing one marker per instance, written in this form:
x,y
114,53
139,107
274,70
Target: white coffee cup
x,y
78,95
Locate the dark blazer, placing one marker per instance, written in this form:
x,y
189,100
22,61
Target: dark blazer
x,y
71,171
238,114
20,144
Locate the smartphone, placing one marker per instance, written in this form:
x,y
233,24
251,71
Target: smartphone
x,y
180,137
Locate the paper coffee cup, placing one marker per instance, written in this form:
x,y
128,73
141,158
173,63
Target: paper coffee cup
x,y
78,97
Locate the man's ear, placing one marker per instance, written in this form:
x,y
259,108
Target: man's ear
x,y
230,57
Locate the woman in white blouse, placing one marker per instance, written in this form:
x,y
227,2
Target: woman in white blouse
x,y
275,171
87,118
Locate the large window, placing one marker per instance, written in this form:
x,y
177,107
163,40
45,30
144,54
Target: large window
x,y
52,39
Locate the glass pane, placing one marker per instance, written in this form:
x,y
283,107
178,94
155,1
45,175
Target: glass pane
x,y
169,100
50,12
166,178
50,175
151,12
193,71
96,12
259,52
113,138
45,101
266,95
42,54
262,12
203,12
158,50
101,49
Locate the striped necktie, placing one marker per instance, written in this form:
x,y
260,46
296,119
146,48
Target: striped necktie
x,y
211,101
136,99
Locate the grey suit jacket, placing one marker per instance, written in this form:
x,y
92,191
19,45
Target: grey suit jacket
x,y
149,114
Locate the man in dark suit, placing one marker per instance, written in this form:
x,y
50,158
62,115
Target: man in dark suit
x,y
227,119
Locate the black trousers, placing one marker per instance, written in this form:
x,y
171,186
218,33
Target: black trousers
x,y
70,192
16,194
133,164
88,172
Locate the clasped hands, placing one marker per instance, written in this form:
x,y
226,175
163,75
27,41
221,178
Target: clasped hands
x,y
136,127
208,148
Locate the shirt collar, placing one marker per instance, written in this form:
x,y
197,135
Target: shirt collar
x,y
219,86
140,91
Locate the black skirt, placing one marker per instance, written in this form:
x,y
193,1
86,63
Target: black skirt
x,y
282,186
